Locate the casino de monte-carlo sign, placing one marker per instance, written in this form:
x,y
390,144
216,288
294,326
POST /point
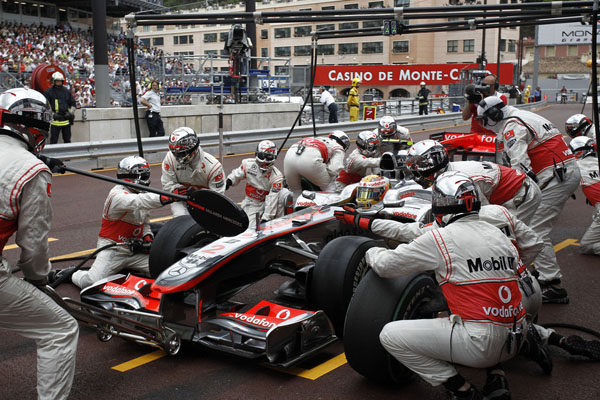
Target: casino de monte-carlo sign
x,y
572,33
431,74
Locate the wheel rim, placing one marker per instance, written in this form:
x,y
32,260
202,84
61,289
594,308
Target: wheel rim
x,y
173,344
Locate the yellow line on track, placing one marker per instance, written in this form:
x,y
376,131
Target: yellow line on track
x,y
324,368
136,362
14,246
565,243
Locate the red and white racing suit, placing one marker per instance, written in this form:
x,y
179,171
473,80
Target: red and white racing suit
x,y
203,172
503,185
590,184
25,209
356,167
264,191
539,146
472,263
319,160
125,217
400,141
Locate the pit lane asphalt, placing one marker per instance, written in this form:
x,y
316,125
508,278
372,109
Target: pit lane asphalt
x,y
201,374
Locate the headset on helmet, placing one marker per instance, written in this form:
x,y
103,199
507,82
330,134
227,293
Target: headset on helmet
x,y
367,143
490,109
371,190
582,146
341,138
425,159
453,194
577,125
57,76
387,127
265,154
184,144
134,169
25,114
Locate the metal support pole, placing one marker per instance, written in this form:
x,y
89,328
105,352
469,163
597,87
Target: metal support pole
x,y
221,155
595,74
483,60
536,59
100,52
498,56
132,82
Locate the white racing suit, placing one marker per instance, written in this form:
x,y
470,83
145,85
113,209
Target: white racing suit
x,y
540,148
590,183
265,194
203,172
356,167
25,209
502,185
400,141
319,160
472,263
125,217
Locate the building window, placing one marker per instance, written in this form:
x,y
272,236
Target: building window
x,y
223,36
158,41
160,27
184,39
452,46
372,47
264,52
30,9
512,46
502,45
351,6
401,3
326,27
328,8
283,51
349,25
301,31
348,48
283,33
10,7
264,33
325,49
302,50
145,42
223,52
183,53
400,46
305,9
571,51
210,37
210,52
47,11
372,24
146,28
550,51
282,69
469,45
376,4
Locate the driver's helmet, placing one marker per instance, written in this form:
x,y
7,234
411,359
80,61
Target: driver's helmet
x,y
387,127
582,146
25,115
340,137
577,125
367,143
425,160
134,169
184,144
453,194
371,190
265,154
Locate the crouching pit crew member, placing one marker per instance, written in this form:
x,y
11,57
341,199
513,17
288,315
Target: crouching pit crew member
x,y
361,162
125,219
393,137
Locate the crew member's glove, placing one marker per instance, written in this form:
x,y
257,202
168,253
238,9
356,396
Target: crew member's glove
x,y
182,190
228,184
55,165
350,216
164,200
147,243
142,245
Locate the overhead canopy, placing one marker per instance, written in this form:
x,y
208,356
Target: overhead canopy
x,y
114,8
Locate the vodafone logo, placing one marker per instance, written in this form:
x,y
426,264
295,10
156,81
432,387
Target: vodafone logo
x,y
504,294
251,319
118,290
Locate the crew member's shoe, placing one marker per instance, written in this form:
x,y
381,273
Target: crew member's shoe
x,y
535,349
472,394
552,293
579,346
58,276
496,387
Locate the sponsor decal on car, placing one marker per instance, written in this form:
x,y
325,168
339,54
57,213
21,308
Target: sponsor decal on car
x,y
254,320
117,290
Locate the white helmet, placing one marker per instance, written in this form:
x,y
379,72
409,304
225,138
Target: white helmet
x,y
57,76
577,125
134,169
184,144
453,194
422,83
367,143
341,138
25,114
425,160
490,111
265,154
387,127
582,146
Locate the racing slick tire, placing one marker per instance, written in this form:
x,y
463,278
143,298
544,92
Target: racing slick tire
x,y
175,236
376,302
338,271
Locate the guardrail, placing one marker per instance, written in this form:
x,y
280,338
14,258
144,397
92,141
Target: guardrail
x,y
102,154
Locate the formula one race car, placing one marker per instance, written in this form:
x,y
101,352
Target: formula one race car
x,y
469,145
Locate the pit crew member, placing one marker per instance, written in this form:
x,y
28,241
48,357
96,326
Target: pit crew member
x,y
125,220
318,160
580,125
393,137
25,209
353,102
187,167
474,95
265,191
533,145
361,161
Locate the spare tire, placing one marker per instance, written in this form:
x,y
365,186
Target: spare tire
x,y
376,302
176,239
338,271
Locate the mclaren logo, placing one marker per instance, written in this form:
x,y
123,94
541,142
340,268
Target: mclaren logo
x,y
491,264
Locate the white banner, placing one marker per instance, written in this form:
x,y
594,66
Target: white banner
x,y
573,33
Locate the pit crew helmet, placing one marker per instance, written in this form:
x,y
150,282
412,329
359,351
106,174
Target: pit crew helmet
x,y
265,154
57,76
341,138
490,111
425,160
582,146
25,115
134,169
387,127
184,144
371,190
453,194
367,143
577,125
355,81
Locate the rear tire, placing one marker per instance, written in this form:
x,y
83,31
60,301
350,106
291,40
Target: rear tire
x,y
339,269
175,236
376,302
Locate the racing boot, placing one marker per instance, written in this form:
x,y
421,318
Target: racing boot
x,y
535,349
496,385
456,382
579,346
553,293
